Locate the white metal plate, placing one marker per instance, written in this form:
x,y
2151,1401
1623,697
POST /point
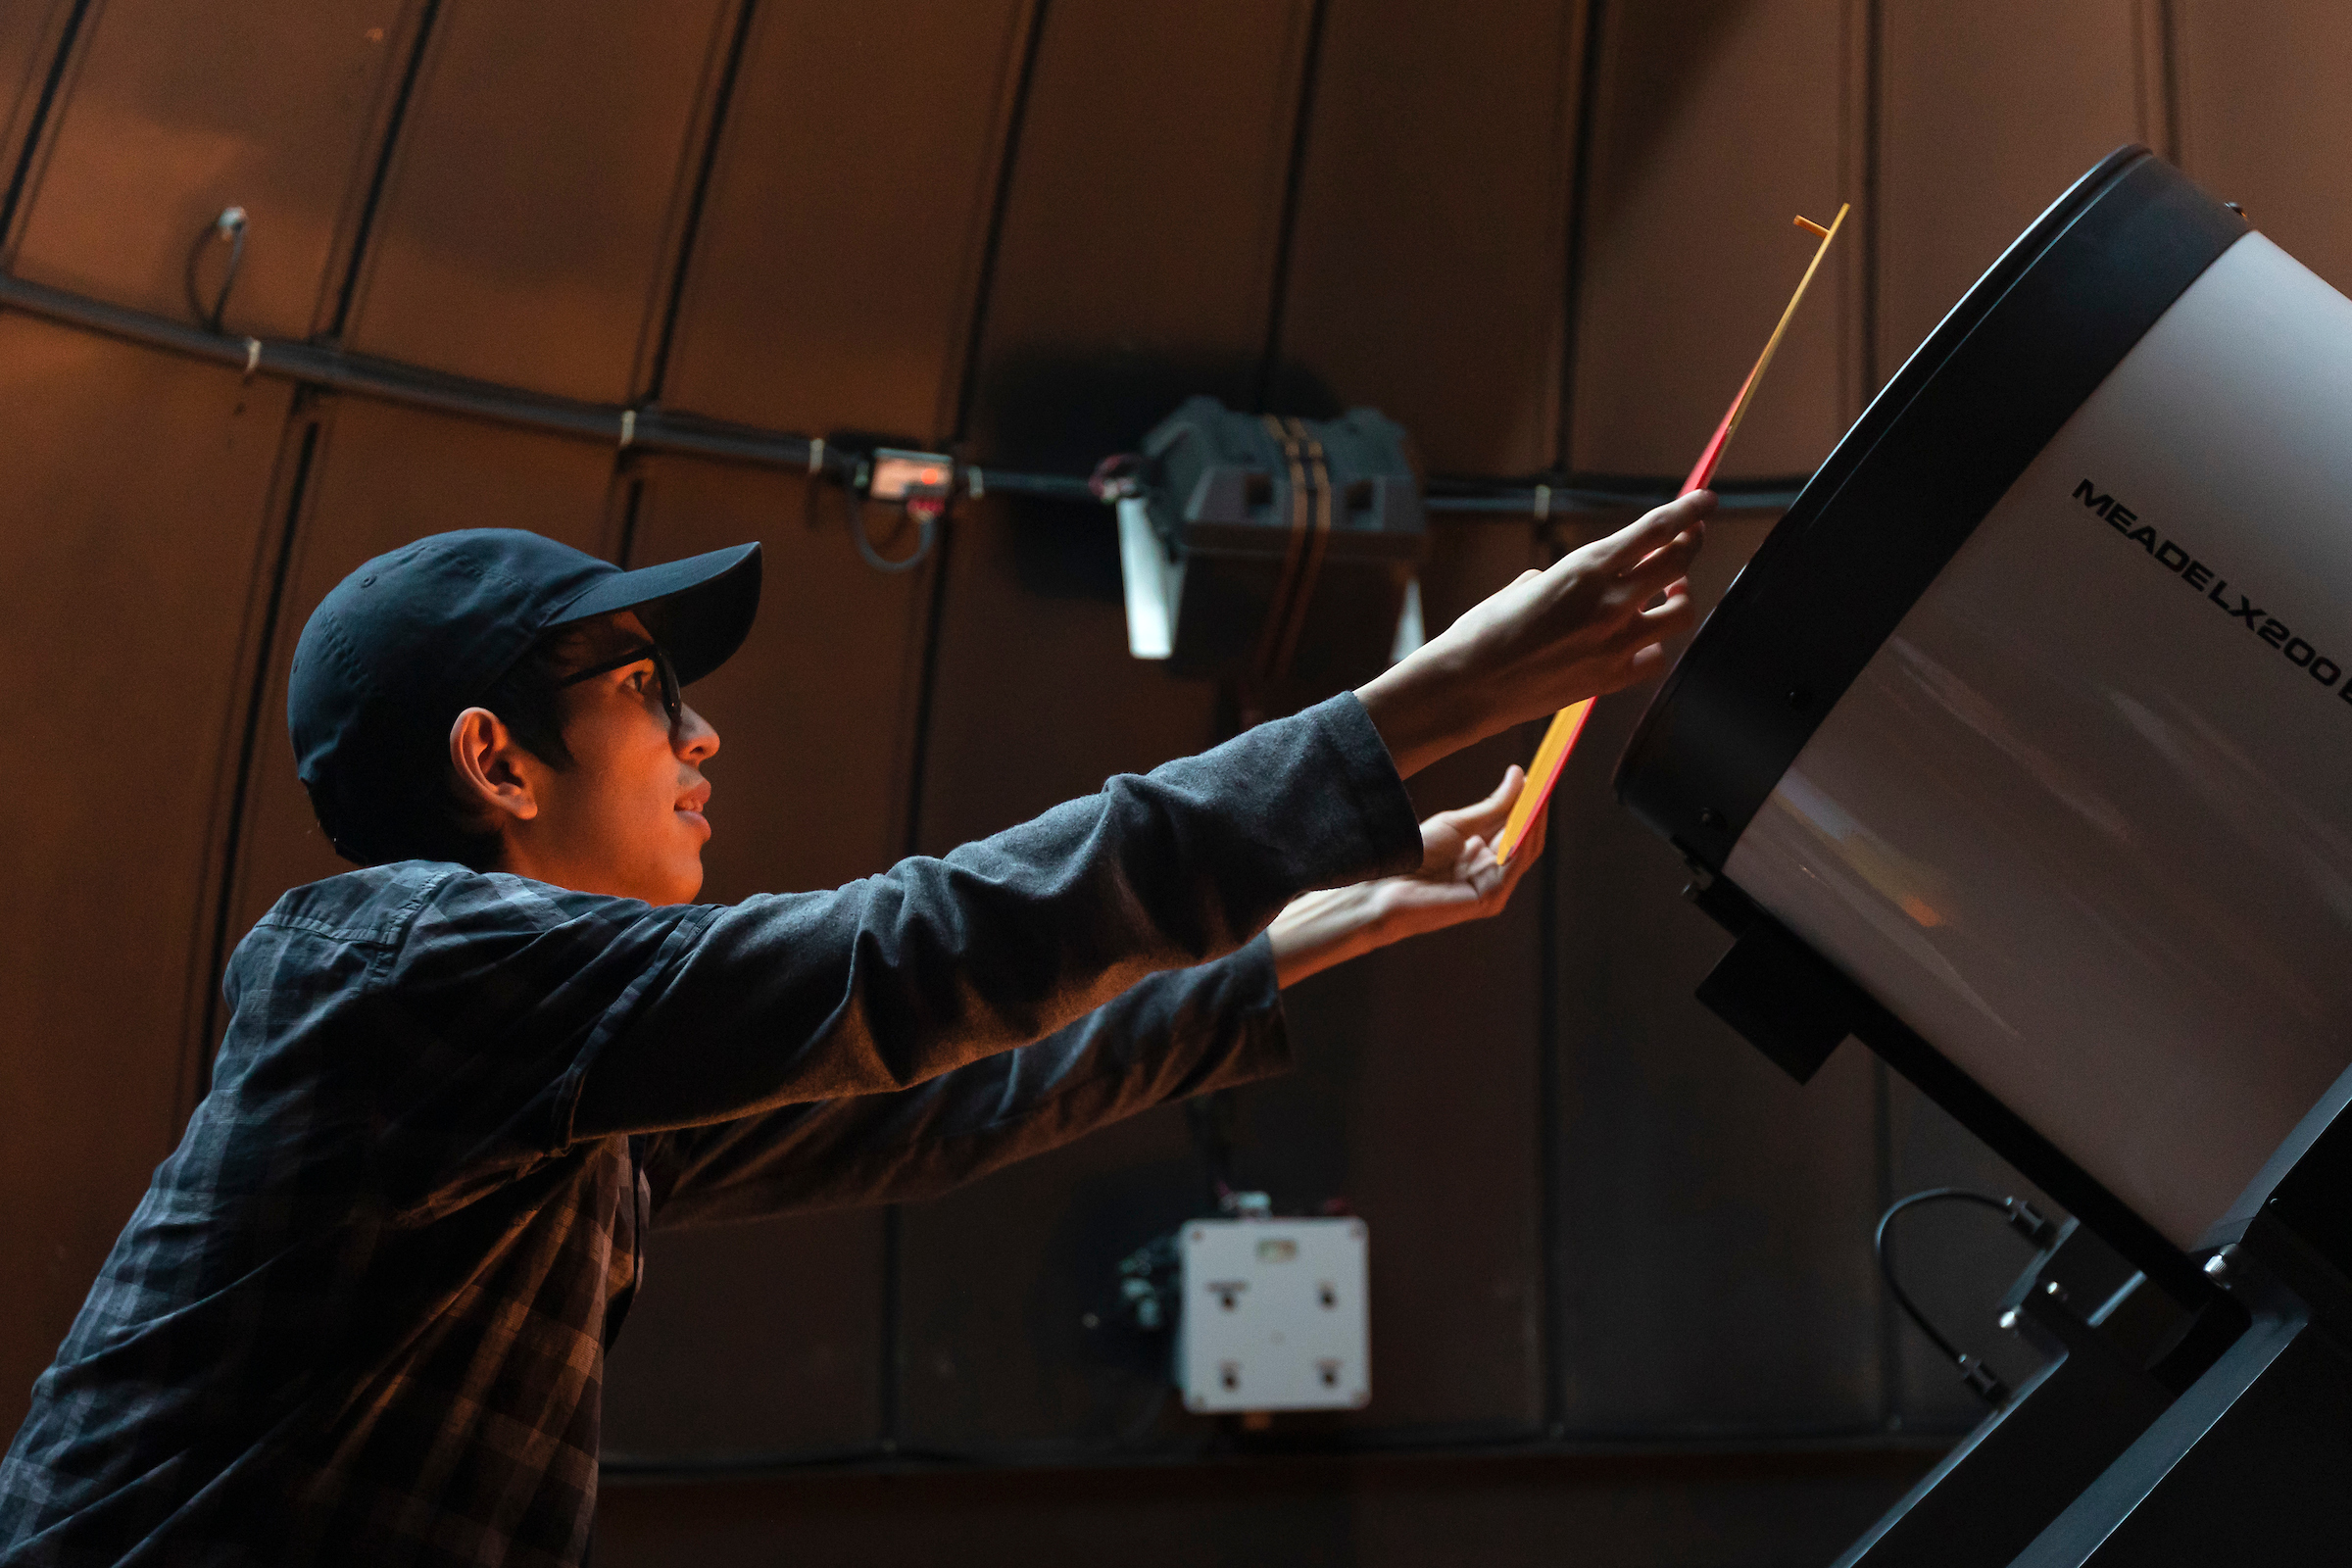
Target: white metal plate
x,y
1274,1315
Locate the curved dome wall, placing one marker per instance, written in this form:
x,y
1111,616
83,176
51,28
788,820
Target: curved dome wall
x,y
1544,238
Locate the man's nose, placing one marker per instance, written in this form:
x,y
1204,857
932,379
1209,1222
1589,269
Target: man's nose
x,y
695,738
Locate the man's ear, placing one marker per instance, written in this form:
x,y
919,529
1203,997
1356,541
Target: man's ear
x,y
484,755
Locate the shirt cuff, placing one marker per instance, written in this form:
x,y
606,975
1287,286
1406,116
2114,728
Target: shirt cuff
x,y
1387,836
1247,990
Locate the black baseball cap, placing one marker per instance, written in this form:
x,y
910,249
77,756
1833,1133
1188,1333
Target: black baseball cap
x,y
400,647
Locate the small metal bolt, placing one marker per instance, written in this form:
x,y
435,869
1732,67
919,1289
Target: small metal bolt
x,y
2009,1321
2054,1291
2222,1267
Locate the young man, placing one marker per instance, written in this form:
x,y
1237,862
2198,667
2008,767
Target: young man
x,y
361,1314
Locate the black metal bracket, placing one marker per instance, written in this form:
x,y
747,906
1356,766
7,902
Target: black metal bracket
x,y
1795,1006
1781,999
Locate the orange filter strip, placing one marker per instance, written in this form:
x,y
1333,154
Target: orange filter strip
x,y
1569,723
1702,473
1541,774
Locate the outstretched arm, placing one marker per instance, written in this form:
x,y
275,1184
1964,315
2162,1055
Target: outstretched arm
x,y
889,982
1596,621
1175,1035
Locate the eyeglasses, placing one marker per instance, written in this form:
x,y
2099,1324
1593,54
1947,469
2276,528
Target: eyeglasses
x,y
671,702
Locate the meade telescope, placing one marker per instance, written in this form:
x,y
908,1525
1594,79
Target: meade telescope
x,y
2022,751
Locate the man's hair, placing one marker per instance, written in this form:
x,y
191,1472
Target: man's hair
x,y
420,815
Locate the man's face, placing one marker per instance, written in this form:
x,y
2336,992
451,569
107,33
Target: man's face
x,y
627,816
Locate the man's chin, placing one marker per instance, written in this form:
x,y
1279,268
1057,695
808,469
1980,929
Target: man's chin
x,y
687,883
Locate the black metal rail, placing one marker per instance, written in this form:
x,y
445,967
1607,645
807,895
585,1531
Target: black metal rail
x,y
651,429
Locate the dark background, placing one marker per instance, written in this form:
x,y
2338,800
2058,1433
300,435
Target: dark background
x,y
1623,1308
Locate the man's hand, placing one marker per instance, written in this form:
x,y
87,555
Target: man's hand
x,y
1458,881
1594,623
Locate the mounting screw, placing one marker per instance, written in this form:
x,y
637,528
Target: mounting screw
x,y
2054,1291
1800,698
2009,1321
1709,817
2222,1267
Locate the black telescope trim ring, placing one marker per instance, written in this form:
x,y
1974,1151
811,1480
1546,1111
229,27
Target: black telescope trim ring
x,y
1931,455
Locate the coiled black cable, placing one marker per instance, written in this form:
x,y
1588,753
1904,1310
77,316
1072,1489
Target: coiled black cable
x,y
2021,1216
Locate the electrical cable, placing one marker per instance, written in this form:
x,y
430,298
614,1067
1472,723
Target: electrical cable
x,y
928,535
1285,586
229,225
1547,496
655,429
1318,483
1209,1120
2021,1216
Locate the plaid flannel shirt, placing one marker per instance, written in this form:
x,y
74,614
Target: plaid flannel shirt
x,y
361,1314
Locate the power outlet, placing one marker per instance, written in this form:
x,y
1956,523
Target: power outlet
x,y
1274,1315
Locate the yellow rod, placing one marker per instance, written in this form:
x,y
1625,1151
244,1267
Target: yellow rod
x,y
1772,346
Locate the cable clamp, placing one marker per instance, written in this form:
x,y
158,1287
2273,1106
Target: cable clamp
x,y
628,428
253,356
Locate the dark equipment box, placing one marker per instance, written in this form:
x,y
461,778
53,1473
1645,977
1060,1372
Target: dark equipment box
x,y
1293,542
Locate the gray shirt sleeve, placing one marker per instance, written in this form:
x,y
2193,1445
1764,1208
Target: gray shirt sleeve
x,y
1173,1035
887,983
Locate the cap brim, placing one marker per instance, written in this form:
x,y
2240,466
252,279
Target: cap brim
x,y
700,608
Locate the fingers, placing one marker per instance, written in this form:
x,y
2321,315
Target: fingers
x,y
1530,851
1642,661
1482,819
1639,538
1670,616
1670,561
1480,872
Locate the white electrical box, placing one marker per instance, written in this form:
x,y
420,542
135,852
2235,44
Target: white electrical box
x,y
1274,1315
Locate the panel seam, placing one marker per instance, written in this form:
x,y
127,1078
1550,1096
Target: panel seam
x,y
36,131
428,18
247,750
